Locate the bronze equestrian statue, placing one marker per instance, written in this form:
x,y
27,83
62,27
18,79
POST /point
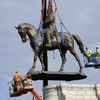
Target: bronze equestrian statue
x,y
29,30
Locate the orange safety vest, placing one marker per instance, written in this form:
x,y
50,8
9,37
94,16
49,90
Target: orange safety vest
x,y
17,76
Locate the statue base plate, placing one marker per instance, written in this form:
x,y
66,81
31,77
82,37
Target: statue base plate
x,y
60,76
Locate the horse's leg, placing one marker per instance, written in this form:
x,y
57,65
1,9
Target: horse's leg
x,y
35,58
63,61
77,58
41,60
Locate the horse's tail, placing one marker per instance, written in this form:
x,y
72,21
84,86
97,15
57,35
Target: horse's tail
x,y
80,44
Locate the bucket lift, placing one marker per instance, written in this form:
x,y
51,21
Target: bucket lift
x,y
94,61
27,87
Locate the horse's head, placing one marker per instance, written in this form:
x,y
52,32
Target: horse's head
x,y
22,33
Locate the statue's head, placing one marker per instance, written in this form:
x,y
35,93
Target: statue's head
x,y
22,33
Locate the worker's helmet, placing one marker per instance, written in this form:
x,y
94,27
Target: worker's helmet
x,y
17,71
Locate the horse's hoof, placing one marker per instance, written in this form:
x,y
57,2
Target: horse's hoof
x,y
60,70
81,70
42,70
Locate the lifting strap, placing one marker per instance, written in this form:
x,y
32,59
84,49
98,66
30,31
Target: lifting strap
x,y
40,31
50,7
41,23
61,24
40,27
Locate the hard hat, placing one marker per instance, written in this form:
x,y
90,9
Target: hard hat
x,y
17,71
97,46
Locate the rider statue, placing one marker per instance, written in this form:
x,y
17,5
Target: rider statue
x,y
48,23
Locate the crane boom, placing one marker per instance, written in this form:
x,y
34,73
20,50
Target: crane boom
x,y
35,94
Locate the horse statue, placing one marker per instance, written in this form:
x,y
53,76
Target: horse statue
x,y
32,32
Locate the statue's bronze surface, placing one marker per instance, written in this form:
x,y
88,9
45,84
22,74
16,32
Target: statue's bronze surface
x,y
48,23
29,30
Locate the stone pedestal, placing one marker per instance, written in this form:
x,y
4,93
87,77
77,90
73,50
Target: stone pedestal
x,y
64,91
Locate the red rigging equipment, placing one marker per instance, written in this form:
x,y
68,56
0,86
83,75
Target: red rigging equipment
x,y
27,87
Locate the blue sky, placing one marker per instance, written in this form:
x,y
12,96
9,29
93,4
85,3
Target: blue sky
x,y
81,17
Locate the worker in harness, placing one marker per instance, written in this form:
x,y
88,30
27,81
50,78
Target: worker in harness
x,y
88,52
48,23
17,80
